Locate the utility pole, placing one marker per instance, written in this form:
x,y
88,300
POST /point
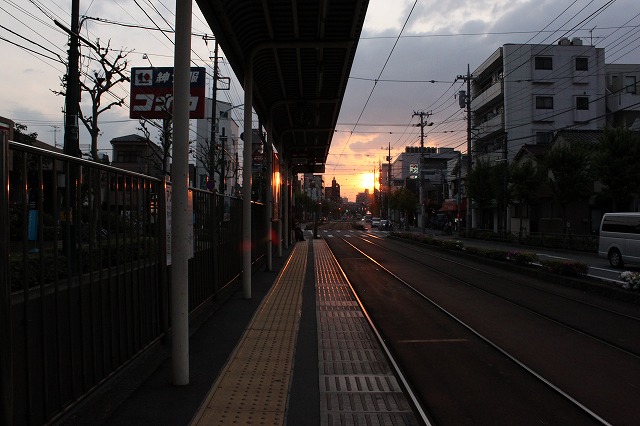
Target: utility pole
x,y
72,99
422,115
214,122
389,186
506,182
71,136
465,102
55,135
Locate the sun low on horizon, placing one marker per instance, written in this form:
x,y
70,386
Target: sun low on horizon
x,y
366,181
352,185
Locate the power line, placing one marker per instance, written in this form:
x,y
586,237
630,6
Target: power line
x,y
140,26
364,107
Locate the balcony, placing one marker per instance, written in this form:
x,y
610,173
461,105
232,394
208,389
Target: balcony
x,y
623,101
494,91
492,125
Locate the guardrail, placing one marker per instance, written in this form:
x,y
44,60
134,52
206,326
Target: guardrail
x,y
84,273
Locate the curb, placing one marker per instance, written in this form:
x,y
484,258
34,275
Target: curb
x,y
590,285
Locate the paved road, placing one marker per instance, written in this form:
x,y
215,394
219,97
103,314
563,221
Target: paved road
x,y
598,267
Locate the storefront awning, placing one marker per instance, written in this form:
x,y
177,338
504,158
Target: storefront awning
x,y
449,206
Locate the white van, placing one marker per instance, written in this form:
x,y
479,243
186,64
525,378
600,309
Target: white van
x,y
620,238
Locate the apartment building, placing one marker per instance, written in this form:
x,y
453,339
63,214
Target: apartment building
x,y
623,95
523,93
225,149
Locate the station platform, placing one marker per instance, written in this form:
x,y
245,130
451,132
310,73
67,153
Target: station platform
x,y
299,352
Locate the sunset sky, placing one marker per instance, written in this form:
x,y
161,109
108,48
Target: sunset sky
x,y
408,58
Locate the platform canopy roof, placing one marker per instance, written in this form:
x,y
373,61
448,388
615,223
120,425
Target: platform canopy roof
x,y
301,52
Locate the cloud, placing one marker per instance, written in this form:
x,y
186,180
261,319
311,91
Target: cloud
x,y
440,39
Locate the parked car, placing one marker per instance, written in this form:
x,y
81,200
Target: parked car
x,y
375,222
620,238
384,224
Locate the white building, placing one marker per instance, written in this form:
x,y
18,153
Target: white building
x,y
523,93
623,96
225,149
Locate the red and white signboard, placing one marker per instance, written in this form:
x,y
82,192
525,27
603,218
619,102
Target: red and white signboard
x,y
152,92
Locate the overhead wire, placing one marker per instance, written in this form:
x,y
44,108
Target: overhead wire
x,y
364,107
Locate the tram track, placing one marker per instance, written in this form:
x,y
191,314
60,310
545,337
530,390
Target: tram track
x,y
585,410
633,351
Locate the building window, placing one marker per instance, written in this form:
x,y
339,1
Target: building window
x,y
544,137
127,156
630,83
582,64
203,181
544,63
544,102
582,103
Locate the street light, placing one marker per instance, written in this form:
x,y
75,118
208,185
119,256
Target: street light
x,y
145,56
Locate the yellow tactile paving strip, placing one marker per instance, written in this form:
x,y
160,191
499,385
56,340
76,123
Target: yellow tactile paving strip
x,y
253,388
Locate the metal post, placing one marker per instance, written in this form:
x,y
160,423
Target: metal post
x,y
246,180
179,208
284,211
162,233
459,192
389,187
269,197
6,348
469,158
506,182
422,224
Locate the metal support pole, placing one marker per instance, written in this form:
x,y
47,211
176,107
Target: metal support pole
x,y
269,197
246,180
284,211
422,224
179,207
469,157
6,348
389,187
506,183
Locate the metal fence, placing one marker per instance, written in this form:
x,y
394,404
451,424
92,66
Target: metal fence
x,y
85,282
